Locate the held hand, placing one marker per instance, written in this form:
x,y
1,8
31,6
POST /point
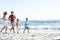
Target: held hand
x,y
9,18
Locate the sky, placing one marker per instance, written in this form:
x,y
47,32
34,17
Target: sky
x,y
32,9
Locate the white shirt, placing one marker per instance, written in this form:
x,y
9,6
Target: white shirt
x,y
6,17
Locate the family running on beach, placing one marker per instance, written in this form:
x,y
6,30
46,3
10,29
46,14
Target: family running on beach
x,y
12,18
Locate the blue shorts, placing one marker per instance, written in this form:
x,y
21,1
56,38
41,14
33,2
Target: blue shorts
x,y
26,27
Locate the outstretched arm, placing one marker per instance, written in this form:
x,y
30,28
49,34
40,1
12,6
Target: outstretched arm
x,y
9,18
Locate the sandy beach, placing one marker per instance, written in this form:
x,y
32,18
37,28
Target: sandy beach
x,y
41,18
33,35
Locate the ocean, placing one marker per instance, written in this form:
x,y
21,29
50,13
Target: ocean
x,y
37,24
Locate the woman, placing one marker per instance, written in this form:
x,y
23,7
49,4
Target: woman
x,y
5,21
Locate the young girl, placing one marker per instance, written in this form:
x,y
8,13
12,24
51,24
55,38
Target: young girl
x,y
5,22
18,25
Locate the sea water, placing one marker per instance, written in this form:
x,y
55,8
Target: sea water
x,y
37,24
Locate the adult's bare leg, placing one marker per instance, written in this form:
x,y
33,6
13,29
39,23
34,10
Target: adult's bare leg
x,y
2,28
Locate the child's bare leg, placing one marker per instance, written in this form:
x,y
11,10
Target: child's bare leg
x,y
17,30
28,30
24,31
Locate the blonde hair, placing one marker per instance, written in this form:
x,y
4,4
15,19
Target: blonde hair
x,y
17,19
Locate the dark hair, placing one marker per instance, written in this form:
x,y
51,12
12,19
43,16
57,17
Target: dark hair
x,y
26,18
12,12
5,13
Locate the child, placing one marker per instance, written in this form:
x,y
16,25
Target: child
x,y
18,25
26,25
5,22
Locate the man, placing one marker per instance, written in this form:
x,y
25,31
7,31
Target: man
x,y
26,25
12,18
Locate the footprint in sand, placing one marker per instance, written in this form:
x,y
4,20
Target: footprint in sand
x,y
32,35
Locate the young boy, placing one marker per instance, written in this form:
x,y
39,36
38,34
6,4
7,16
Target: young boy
x,y
26,25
